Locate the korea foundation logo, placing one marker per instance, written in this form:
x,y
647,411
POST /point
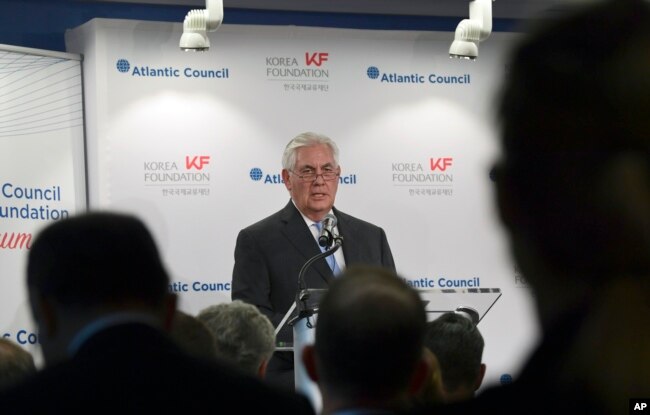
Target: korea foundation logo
x,y
431,178
432,78
308,72
189,176
153,71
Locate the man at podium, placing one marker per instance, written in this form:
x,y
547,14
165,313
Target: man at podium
x,y
270,253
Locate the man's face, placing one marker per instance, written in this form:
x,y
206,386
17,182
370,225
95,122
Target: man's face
x,y
313,198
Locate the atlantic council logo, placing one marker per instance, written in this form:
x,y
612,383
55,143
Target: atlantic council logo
x,y
149,71
256,174
373,72
123,65
444,282
505,379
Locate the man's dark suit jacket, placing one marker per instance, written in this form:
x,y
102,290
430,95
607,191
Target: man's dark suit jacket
x,y
136,368
270,253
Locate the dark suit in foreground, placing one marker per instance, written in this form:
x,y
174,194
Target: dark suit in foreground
x,y
133,368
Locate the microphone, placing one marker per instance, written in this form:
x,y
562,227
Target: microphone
x,y
327,231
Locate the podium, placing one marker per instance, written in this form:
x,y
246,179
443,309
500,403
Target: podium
x,y
303,316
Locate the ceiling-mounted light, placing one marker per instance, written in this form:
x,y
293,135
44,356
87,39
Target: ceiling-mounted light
x,y
472,31
197,23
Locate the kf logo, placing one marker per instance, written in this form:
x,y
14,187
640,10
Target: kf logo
x,y
441,163
316,58
198,162
640,406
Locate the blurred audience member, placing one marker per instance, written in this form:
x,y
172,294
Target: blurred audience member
x,y
432,391
458,345
192,335
573,191
16,364
98,290
368,352
244,336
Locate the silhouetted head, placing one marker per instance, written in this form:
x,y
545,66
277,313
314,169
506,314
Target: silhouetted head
x,y
575,172
89,266
458,345
369,334
96,260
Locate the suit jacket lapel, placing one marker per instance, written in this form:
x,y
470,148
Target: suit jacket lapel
x,y
298,235
348,232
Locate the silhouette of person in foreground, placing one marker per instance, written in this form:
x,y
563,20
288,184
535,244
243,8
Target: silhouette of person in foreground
x,y
573,191
98,291
458,346
368,356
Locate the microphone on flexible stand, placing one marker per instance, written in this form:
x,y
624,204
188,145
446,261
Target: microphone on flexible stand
x,y
326,238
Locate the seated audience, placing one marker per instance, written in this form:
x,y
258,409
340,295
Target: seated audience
x,y
244,336
16,364
98,291
192,335
458,345
368,352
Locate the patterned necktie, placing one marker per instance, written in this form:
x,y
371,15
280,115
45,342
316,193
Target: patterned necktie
x,y
331,261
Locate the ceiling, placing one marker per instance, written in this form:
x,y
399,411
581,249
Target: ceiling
x,y
501,9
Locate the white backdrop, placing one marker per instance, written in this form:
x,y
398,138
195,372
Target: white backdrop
x,y
41,166
193,142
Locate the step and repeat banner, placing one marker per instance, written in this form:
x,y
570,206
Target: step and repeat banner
x,y
41,166
192,143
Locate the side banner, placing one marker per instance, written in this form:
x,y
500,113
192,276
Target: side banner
x,y
41,166
192,142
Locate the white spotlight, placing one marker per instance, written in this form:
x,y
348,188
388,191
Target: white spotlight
x,y
472,31
197,23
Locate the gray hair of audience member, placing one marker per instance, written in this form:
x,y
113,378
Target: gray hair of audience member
x,y
193,336
574,117
305,140
369,334
243,335
16,364
458,345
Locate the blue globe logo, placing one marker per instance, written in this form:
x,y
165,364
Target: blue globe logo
x,y
505,379
256,174
373,72
123,65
